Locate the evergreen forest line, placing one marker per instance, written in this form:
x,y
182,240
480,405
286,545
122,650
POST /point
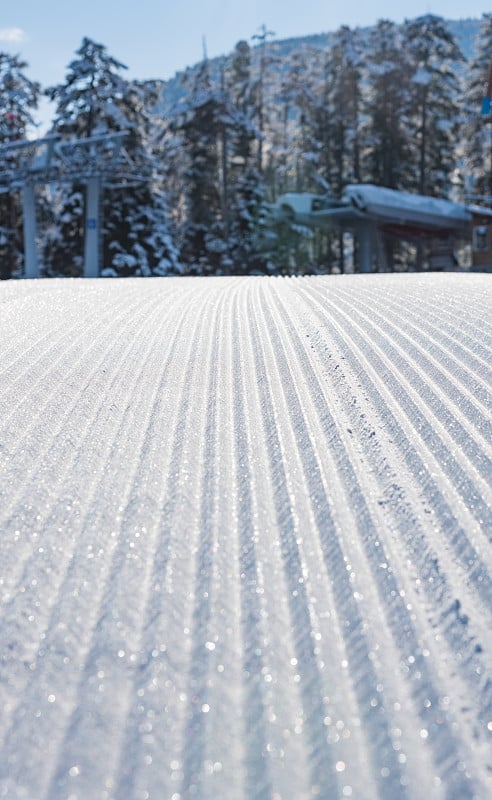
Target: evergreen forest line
x,y
393,105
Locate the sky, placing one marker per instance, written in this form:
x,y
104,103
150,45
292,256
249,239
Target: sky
x,y
157,38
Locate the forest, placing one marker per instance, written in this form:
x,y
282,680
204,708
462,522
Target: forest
x,y
394,105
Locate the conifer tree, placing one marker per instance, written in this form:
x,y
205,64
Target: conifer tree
x,y
94,100
246,182
91,98
477,128
137,228
302,145
18,100
264,61
386,140
433,56
87,103
315,106
202,237
345,100
223,187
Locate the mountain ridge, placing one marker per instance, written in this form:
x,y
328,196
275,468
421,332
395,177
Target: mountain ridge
x,y
465,32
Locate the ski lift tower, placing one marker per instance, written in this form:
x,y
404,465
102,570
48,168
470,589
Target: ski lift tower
x,y
95,161
22,163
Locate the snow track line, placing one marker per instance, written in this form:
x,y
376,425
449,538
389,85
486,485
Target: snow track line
x,y
115,637
38,327
204,587
158,628
418,391
14,514
290,655
17,313
221,769
81,324
63,375
443,432
322,767
78,567
392,781
476,339
461,638
471,372
417,362
245,542
257,779
373,454
448,357
399,619
407,401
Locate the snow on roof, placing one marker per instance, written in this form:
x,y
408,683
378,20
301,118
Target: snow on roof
x,y
368,197
480,210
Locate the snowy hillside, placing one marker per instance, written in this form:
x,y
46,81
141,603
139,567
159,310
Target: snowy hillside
x,y
465,32
245,538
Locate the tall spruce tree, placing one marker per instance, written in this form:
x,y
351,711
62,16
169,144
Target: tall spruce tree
x,y
303,152
314,104
90,100
87,103
386,141
246,192
199,124
137,228
18,100
386,138
433,55
300,139
345,64
95,99
223,186
477,128
264,61
345,100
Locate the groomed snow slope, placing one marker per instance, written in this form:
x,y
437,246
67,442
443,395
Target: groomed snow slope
x,y
245,538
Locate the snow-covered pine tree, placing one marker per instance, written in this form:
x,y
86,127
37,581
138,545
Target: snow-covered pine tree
x,y
299,123
265,59
137,228
96,99
63,240
294,153
283,132
87,103
246,185
332,107
432,55
386,146
307,84
18,97
223,189
323,86
477,128
198,123
18,100
345,101
386,137
345,64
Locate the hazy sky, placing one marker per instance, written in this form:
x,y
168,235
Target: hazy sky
x,y
156,38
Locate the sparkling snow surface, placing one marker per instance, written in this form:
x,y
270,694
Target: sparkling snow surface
x,y
245,538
